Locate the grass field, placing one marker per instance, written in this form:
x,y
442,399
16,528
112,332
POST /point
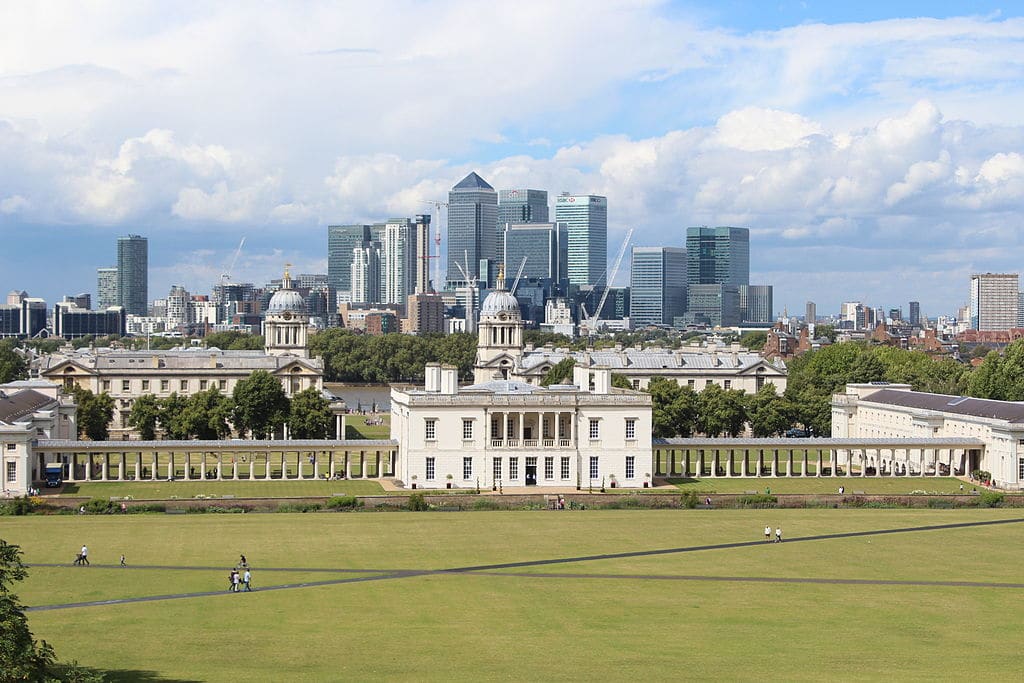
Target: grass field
x,y
162,490
811,485
801,610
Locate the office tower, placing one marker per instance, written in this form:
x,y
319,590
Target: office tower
x,y
718,256
522,206
421,240
811,314
896,315
83,300
398,260
70,321
586,220
178,307
848,313
341,241
994,301
365,276
915,313
133,274
472,229
22,316
106,287
715,305
755,303
657,285
543,245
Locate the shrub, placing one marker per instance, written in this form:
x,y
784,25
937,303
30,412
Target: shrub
x,y
417,503
17,506
689,500
757,500
990,499
486,504
102,506
146,508
940,503
344,503
299,507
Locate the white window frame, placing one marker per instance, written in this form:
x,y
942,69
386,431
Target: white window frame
x,y
467,429
566,465
630,466
595,429
630,429
430,429
549,467
12,472
595,469
430,469
496,468
513,468
467,468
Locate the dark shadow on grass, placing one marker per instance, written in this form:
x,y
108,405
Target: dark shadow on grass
x,y
676,481
75,672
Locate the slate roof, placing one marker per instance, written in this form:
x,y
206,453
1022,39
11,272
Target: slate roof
x,y
473,182
651,359
16,406
176,359
1009,411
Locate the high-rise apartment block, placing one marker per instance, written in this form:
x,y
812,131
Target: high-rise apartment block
x,y
106,287
472,230
365,273
915,314
994,301
421,239
586,220
811,313
133,274
657,285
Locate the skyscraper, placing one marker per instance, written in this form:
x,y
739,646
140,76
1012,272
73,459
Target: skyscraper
x,y
915,313
341,240
365,275
472,228
718,256
811,314
421,235
994,301
756,303
657,285
398,260
543,245
519,206
106,287
133,274
586,219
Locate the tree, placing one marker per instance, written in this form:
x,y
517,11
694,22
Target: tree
x,y
22,657
261,406
172,409
674,408
234,340
94,413
768,413
754,341
720,411
12,364
310,416
559,373
145,416
206,415
621,381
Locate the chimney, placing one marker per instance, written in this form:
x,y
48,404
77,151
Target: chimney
x,y
155,362
602,380
581,377
432,378
449,380
213,360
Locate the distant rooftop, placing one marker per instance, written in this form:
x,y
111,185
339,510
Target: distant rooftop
x,y
473,182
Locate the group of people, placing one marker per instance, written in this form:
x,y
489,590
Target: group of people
x,y
82,558
239,581
768,534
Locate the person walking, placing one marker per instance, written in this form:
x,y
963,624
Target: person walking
x,y
247,580
235,580
123,563
84,554
778,534
767,533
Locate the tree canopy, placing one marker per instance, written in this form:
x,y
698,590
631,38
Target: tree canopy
x,y
12,365
310,415
260,405
94,413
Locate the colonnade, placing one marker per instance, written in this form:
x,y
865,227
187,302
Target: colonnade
x,y
532,429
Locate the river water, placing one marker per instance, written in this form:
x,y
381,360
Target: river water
x,y
362,396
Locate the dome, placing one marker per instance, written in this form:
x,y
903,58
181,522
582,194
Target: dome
x,y
286,300
500,302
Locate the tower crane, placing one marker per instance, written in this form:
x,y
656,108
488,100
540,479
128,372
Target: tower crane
x,y
592,322
519,274
226,276
438,205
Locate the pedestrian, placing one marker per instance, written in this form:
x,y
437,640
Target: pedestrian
x,y
242,562
247,580
235,580
842,490
124,508
123,563
767,533
778,534
85,555
961,486
81,510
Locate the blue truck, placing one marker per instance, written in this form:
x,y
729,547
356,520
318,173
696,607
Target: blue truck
x,y
54,475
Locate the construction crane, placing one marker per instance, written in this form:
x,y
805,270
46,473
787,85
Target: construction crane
x,y
592,322
438,205
471,284
225,277
519,274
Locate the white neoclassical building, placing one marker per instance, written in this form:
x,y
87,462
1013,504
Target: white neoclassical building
x,y
500,431
881,410
126,375
30,410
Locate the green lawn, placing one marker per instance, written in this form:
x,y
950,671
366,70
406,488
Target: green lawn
x,y
719,614
810,485
162,490
356,427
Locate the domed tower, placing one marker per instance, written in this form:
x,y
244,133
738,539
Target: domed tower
x,y
286,322
500,336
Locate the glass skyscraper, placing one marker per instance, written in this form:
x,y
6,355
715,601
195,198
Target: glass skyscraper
x,y
586,218
341,240
543,245
657,285
472,229
106,287
133,274
522,206
718,256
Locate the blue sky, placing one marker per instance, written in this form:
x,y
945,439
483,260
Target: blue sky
x,y
875,150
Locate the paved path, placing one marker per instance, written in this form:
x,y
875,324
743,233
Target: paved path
x,y
495,569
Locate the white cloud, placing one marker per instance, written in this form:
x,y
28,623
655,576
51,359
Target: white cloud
x,y
13,204
753,129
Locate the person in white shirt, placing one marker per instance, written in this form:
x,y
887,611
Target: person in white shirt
x,y
767,533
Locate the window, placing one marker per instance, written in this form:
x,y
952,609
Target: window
x,y
12,471
1020,470
496,468
430,430
549,467
202,385
430,469
183,385
636,384
692,383
164,385
630,466
513,468
728,384
511,430
708,382
126,385
467,430
467,468
106,385
595,428
593,467
222,384
565,468
495,429
630,428
145,385
12,446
